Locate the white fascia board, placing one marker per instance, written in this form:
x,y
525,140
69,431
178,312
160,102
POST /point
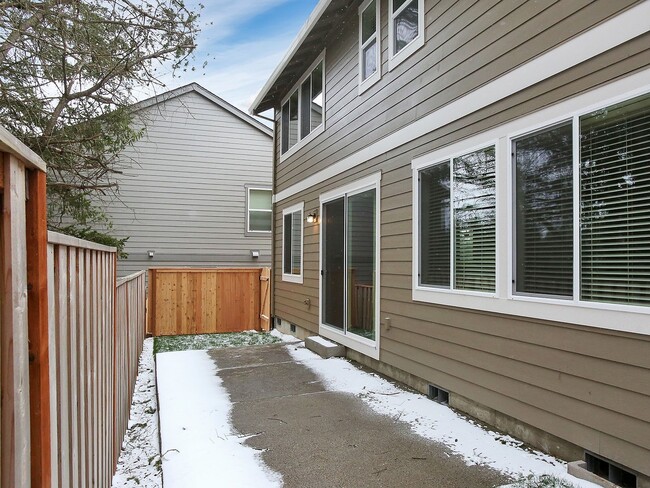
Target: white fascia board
x,y
614,32
312,20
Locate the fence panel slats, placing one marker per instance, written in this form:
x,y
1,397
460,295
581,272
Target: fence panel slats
x,y
97,326
207,300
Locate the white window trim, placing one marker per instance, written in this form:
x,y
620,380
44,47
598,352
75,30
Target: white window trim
x,y
318,130
250,232
376,76
416,210
395,59
616,317
291,277
357,343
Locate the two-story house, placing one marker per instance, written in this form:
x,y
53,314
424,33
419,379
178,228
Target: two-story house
x,y
195,190
462,199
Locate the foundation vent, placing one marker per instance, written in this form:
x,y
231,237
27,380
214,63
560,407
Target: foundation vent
x,y
610,471
439,395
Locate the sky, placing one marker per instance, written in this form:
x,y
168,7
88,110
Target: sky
x,y
242,42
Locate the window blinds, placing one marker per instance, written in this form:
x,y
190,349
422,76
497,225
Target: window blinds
x,y
544,212
615,203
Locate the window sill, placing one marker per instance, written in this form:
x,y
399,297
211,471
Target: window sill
x,y
620,318
292,278
302,143
396,59
258,233
369,82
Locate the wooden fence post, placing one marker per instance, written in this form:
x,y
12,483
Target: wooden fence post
x,y
151,303
37,296
14,360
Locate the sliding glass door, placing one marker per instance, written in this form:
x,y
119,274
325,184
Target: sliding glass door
x,y
349,263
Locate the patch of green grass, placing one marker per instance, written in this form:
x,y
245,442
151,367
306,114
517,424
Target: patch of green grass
x,y
543,481
211,341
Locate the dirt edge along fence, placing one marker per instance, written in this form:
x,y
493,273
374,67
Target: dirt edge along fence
x,y
208,300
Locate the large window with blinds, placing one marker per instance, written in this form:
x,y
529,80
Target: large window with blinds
x,y
457,235
292,243
611,225
615,203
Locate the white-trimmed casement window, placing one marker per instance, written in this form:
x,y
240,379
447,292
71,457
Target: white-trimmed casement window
x,y
292,242
303,111
457,237
582,207
369,45
259,214
405,29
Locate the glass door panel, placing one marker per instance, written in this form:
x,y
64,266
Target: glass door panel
x,y
361,264
333,222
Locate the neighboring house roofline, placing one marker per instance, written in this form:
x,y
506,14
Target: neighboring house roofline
x,y
195,87
264,98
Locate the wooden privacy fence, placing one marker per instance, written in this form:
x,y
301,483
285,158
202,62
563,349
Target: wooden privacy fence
x,y
208,300
24,374
70,338
130,319
97,330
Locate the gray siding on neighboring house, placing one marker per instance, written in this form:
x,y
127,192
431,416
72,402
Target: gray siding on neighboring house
x,y
183,191
588,386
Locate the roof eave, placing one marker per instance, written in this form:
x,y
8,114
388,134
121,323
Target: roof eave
x,y
306,29
182,90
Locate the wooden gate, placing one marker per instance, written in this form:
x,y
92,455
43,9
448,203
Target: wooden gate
x,y
208,300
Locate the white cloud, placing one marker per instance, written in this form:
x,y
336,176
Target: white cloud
x,y
237,66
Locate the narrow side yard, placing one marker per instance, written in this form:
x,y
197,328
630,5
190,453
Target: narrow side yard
x,y
279,415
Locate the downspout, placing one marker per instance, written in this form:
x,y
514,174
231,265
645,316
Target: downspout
x,y
273,234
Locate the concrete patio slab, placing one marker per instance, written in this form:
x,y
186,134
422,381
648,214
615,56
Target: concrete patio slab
x,y
320,438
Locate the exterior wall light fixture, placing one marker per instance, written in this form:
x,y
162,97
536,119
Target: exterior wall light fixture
x,y
150,253
312,218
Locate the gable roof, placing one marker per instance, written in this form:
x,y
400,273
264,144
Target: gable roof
x,y
324,21
195,87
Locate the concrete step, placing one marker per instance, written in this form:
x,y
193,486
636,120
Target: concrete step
x,y
324,348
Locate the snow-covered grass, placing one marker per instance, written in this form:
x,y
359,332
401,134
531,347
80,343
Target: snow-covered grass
x,y
543,481
212,341
199,444
436,422
139,462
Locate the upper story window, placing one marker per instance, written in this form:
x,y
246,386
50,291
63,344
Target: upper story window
x,y
369,44
259,213
303,112
405,29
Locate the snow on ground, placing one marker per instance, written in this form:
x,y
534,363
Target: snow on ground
x,y
199,444
139,463
434,421
283,337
